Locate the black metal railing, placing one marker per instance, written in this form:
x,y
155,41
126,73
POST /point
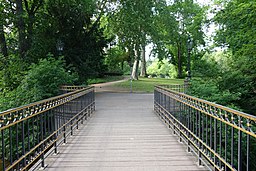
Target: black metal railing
x,y
66,89
30,132
182,88
222,138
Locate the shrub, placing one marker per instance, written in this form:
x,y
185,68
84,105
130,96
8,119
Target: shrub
x,y
43,80
209,89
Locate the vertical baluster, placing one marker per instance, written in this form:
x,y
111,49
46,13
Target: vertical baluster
x,y
239,159
189,127
49,126
196,130
64,134
17,142
28,127
180,119
38,129
33,130
203,126
169,111
248,151
58,115
232,143
215,140
42,119
78,118
206,129
174,113
45,124
23,140
226,142
54,124
71,127
220,143
3,148
211,144
10,141
200,137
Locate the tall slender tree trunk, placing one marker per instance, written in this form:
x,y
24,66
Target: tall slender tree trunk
x,y
3,46
135,68
179,61
143,71
21,28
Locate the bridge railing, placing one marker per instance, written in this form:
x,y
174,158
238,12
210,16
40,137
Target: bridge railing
x,y
182,88
66,89
29,133
222,138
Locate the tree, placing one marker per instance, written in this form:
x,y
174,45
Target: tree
x,y
83,39
131,23
143,72
3,44
236,22
176,23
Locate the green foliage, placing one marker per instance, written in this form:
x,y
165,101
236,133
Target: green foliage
x,y
39,25
115,59
81,35
210,73
237,21
208,89
162,68
12,72
41,81
212,65
175,23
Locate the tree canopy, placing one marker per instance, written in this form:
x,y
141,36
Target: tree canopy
x,y
95,37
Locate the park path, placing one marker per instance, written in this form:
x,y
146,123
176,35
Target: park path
x,y
108,86
123,134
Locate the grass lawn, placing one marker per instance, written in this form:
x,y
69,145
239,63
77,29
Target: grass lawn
x,y
104,79
147,84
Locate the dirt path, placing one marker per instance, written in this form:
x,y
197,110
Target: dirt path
x,y
108,87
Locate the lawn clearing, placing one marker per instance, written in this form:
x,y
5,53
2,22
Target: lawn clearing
x,y
147,84
104,79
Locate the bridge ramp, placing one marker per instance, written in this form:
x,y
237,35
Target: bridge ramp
x,y
123,135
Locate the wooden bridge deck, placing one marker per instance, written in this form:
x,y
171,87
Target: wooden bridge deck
x,y
123,135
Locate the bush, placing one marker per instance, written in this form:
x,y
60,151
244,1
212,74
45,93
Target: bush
x,y
209,89
43,81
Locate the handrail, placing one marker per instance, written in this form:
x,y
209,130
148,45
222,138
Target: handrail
x,y
28,132
66,88
15,115
222,136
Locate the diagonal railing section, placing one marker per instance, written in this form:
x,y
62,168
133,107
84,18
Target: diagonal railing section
x,y
30,132
67,89
222,138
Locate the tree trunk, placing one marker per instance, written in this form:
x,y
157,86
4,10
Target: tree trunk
x,y
143,71
3,46
21,28
136,64
30,30
135,69
179,61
